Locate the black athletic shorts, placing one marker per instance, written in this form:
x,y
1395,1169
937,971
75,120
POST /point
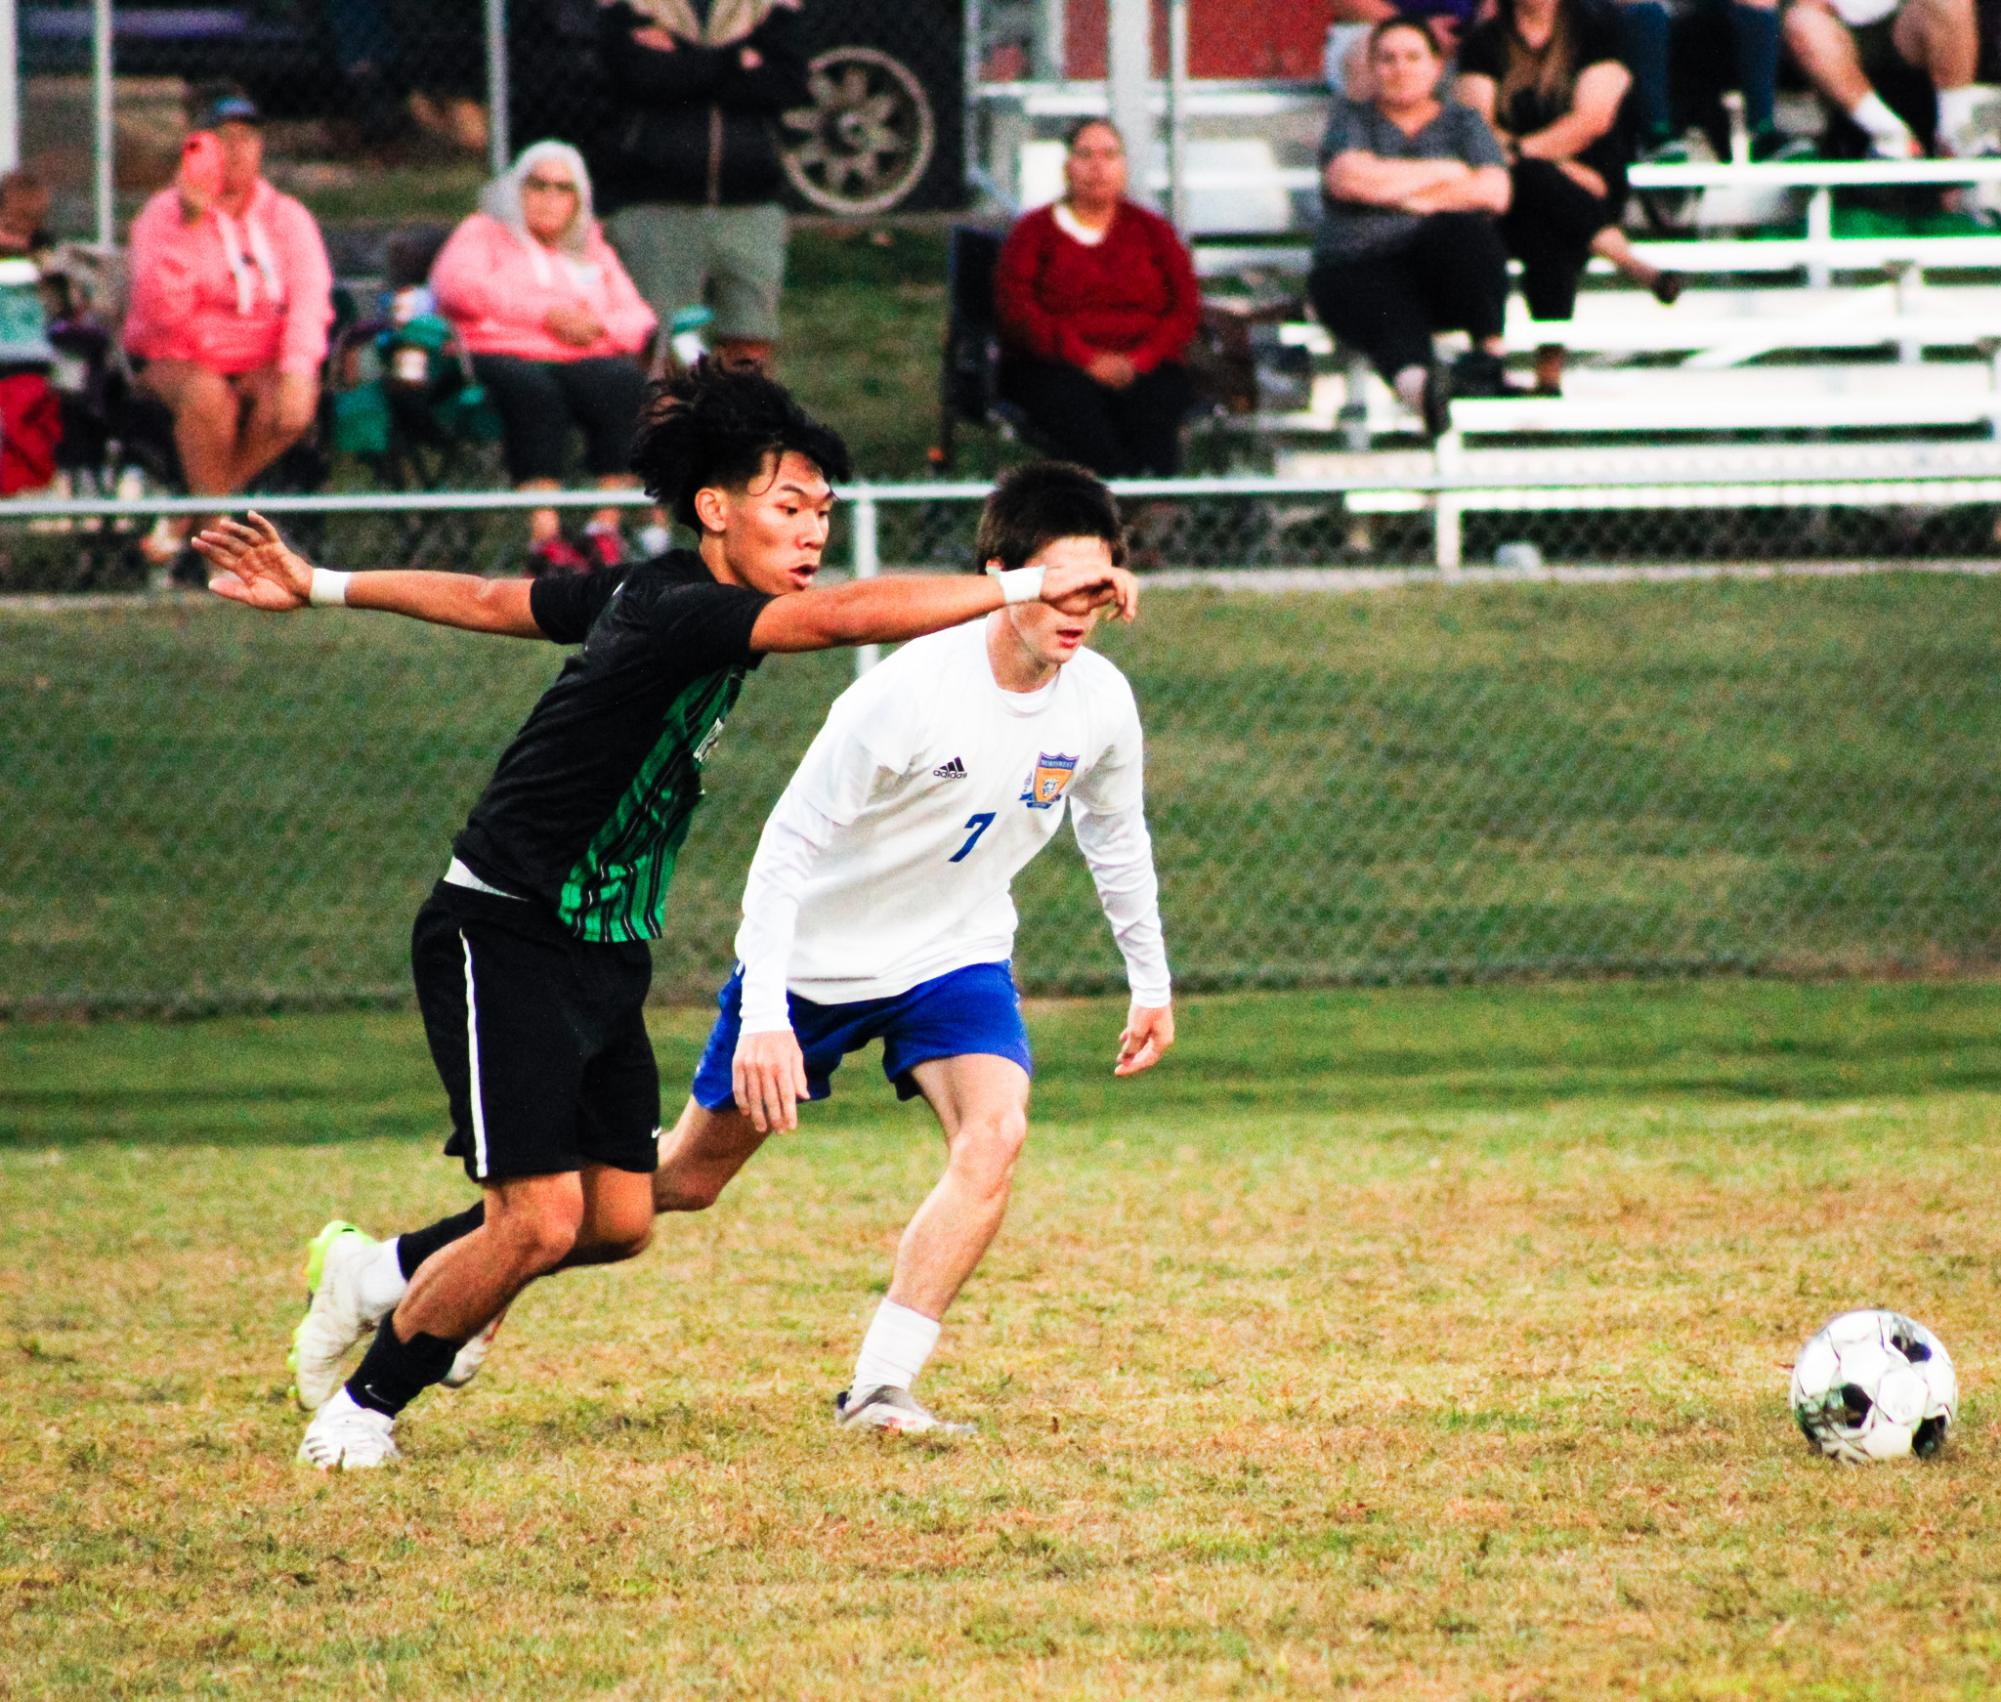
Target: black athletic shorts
x,y
538,1037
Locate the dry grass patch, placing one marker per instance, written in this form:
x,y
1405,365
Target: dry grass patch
x,y
1467,1383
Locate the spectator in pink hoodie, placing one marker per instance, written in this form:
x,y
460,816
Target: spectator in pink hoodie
x,y
232,297
555,329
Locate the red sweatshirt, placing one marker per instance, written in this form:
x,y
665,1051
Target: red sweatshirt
x,y
1133,294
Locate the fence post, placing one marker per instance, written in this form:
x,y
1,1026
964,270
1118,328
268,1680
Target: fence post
x,y
867,564
1448,542
499,142
103,125
10,88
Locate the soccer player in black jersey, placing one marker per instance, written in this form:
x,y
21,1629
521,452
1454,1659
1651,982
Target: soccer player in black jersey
x,y
529,956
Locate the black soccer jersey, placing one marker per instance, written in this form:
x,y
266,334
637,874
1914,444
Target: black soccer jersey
x,y
591,802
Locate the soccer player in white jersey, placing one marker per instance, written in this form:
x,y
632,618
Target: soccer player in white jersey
x,y
878,907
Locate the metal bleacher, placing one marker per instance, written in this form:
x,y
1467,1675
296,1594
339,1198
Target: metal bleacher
x,y
1844,353
1792,360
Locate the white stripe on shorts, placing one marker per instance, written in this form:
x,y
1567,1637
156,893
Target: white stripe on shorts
x,y
472,1068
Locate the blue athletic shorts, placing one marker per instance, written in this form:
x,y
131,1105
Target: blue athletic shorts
x,y
971,1010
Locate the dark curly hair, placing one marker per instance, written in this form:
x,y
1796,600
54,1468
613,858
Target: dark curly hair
x,y
719,426
1034,505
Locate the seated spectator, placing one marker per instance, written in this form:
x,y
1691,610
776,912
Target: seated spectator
x,y
1096,302
24,214
1923,53
1408,245
1547,75
1754,44
1345,62
232,297
556,332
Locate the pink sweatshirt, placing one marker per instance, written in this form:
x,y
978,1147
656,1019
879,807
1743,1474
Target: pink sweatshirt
x,y
495,287
230,294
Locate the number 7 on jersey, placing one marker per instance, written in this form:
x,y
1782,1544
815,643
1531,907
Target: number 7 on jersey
x,y
979,824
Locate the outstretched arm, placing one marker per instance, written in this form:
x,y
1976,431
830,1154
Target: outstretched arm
x,y
260,569
888,611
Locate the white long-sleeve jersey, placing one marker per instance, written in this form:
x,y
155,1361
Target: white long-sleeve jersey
x,y
889,858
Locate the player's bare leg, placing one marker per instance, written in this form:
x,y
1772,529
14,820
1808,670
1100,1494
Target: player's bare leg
x,y
981,1103
700,1155
532,1225
617,1225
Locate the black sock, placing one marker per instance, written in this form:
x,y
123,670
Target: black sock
x,y
418,1245
394,1373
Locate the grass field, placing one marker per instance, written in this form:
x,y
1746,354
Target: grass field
x,y
1412,1344
200,807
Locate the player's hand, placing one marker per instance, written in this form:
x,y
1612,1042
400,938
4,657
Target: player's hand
x,y
1080,589
256,565
1148,1034
768,1076
653,36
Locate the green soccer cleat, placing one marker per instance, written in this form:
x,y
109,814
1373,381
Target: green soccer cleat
x,y
336,1321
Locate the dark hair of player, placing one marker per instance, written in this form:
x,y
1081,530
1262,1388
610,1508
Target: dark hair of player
x,y
1033,506
721,426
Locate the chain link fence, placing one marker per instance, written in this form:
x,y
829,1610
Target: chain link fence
x,y
1457,777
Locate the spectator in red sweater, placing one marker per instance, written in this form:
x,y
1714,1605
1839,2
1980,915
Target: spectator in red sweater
x,y
1096,301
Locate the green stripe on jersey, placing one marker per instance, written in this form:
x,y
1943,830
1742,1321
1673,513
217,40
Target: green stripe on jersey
x,y
617,890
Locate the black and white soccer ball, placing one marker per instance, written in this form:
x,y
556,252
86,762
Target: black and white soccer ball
x,y
1874,1385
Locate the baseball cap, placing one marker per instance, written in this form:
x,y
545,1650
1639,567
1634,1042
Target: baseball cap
x,y
229,106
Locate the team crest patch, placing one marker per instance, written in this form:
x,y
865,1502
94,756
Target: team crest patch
x,y
1049,781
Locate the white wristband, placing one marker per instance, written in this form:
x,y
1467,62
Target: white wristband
x,y
1018,584
329,589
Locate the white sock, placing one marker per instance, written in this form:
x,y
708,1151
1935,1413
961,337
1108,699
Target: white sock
x,y
382,1279
1875,116
1957,110
895,1349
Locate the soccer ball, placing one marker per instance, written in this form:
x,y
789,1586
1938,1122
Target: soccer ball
x,y
1874,1386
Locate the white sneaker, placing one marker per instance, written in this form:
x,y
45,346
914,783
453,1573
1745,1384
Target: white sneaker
x,y
897,1411
336,1320
347,1437
472,1355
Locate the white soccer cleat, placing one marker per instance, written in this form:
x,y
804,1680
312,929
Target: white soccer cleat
x,y
347,1437
336,1321
896,1411
472,1355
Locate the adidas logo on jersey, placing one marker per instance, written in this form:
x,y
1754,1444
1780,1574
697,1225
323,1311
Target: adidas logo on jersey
x,y
953,770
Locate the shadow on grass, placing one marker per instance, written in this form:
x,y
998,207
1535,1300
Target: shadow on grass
x,y
325,1079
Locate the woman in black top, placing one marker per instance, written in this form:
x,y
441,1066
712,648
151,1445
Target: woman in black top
x,y
1407,244
1547,75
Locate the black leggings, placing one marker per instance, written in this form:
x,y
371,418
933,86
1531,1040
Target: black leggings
x,y
1119,434
1451,275
1548,227
540,400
